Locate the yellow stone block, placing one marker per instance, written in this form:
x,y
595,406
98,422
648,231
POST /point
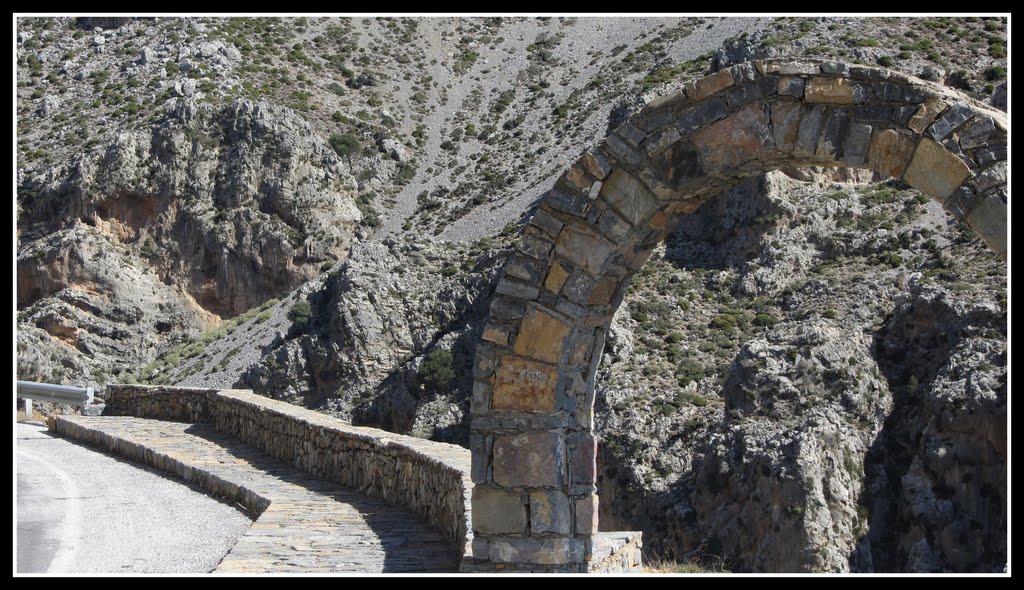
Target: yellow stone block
x,y
830,91
934,171
541,336
523,385
889,153
709,85
556,278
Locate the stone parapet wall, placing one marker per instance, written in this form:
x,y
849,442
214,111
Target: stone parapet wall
x,y
429,478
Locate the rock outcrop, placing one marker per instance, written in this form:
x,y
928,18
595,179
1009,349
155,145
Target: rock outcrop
x,y
212,210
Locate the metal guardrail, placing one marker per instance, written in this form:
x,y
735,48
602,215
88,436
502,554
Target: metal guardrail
x,y
58,394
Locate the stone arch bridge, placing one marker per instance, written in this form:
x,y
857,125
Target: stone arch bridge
x,y
533,448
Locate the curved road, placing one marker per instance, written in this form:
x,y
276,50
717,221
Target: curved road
x,y
82,511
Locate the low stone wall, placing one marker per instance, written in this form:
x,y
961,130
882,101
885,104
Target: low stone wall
x,y
429,478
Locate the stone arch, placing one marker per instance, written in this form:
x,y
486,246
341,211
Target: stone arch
x,y
533,449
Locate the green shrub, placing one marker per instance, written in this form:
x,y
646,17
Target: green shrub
x,y
436,371
345,144
300,313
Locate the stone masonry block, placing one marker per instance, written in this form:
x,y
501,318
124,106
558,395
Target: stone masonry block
x,y
536,550
858,140
836,123
810,129
988,218
833,91
550,512
785,118
701,114
496,333
579,286
535,246
523,385
735,140
541,336
582,246
890,152
516,289
582,459
546,222
934,171
556,278
532,459
586,515
497,511
629,197
791,86
595,163
704,87
957,115
925,114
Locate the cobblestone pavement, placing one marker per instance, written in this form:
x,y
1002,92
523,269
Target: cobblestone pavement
x,y
305,524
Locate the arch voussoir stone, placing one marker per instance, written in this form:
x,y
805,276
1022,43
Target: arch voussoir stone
x,y
535,504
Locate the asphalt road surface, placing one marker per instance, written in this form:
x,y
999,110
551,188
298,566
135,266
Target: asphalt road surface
x,y
82,511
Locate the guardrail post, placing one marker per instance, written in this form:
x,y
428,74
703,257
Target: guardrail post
x,y
28,408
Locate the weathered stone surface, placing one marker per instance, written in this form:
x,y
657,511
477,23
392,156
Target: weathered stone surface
x,y
810,129
583,459
546,222
629,197
836,123
748,93
890,152
631,134
785,120
612,226
507,286
708,85
577,289
480,449
925,114
735,140
994,175
792,67
523,385
988,218
603,292
495,333
577,178
833,91
834,67
950,120
596,164
556,278
697,116
532,459
744,72
556,550
525,268
573,204
858,140
498,511
550,513
661,139
541,336
791,86
586,515
535,246
976,133
595,190
934,171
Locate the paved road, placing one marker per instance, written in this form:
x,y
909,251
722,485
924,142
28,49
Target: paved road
x,y
81,511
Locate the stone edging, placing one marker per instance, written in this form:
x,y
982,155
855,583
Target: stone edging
x,y
430,478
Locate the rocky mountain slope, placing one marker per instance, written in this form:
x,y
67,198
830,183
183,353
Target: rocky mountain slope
x,y
803,378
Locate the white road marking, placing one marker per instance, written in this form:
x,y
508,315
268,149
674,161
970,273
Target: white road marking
x,y
72,534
